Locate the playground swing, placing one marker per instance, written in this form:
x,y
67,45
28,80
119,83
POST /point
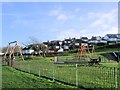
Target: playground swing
x,y
85,55
83,52
9,56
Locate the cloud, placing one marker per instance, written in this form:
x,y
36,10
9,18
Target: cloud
x,y
62,17
103,18
103,23
77,10
68,33
99,24
60,14
54,12
54,30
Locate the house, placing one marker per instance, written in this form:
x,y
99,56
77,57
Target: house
x,y
112,38
60,50
34,49
76,44
66,47
84,41
51,51
51,48
93,41
118,39
54,45
66,44
97,40
27,50
46,43
67,41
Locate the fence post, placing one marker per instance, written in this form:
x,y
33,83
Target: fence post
x,y
53,73
20,67
76,76
118,77
39,70
28,67
115,77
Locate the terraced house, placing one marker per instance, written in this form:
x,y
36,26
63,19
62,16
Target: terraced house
x,y
73,43
112,38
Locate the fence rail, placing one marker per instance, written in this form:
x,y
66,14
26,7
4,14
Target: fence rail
x,y
75,74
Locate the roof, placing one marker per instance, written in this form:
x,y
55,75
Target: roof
x,y
118,36
46,43
112,35
67,40
84,38
93,38
78,41
55,41
26,48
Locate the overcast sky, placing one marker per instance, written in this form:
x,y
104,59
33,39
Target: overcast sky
x,y
53,21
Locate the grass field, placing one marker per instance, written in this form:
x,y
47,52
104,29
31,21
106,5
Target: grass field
x,y
97,76
12,78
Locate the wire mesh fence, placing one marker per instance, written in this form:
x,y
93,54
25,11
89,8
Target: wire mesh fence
x,y
78,75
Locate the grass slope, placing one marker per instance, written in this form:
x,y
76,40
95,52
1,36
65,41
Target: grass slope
x,y
88,76
12,78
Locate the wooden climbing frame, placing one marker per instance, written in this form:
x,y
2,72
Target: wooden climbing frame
x,y
85,50
9,56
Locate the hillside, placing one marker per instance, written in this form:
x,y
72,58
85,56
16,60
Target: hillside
x,y
109,52
12,78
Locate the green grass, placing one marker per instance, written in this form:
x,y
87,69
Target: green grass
x,y
109,64
12,78
102,75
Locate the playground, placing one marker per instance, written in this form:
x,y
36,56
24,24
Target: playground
x,y
84,69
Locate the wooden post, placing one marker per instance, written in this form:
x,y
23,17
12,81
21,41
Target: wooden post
x,y
53,73
39,71
76,77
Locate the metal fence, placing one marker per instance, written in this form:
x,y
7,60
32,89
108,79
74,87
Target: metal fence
x,y
73,74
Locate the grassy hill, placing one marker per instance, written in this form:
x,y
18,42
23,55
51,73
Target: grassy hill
x,y
12,78
17,79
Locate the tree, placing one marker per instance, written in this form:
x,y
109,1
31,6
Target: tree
x,y
37,46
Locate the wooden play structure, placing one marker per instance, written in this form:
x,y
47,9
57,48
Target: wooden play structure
x,y
83,51
9,56
85,55
88,53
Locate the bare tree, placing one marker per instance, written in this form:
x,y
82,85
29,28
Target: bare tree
x,y
31,40
37,46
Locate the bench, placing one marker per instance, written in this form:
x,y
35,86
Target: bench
x,y
94,61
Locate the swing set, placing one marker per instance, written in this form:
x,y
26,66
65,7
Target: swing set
x,y
85,52
85,55
9,56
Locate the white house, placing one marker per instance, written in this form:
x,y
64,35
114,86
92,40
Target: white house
x,y
118,38
66,47
60,50
112,38
27,50
97,40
